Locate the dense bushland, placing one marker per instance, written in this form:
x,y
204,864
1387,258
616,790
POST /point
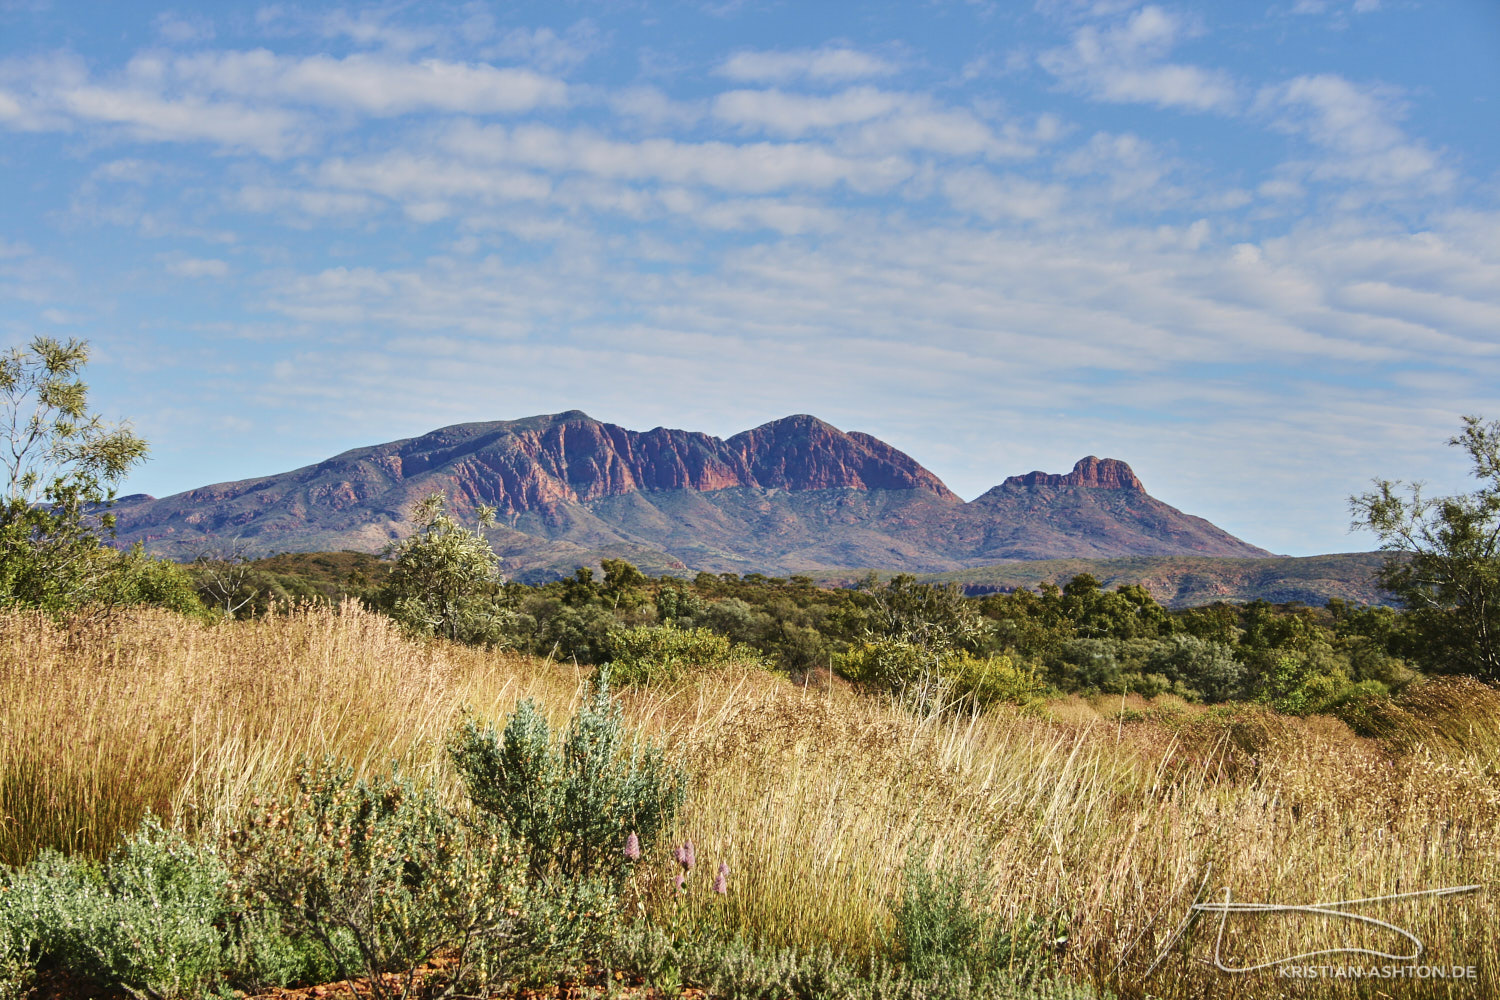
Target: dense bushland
x,y
927,643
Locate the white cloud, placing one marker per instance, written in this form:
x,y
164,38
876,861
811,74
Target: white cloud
x,y
1339,8
301,206
10,107
130,170
59,95
1134,170
198,267
426,179
546,49
368,27
996,198
872,121
1357,128
829,64
748,167
151,117
371,84
1122,64
794,114
179,30
651,107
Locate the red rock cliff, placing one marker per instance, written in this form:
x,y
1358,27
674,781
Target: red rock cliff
x,y
1098,473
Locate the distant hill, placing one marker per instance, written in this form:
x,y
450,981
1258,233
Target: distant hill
x,y
795,495
1191,581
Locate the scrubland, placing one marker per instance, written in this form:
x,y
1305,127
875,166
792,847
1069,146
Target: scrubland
x,y
1089,826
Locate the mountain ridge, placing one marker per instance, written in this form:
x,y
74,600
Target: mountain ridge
x,y
793,494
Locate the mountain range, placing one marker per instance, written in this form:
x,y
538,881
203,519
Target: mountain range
x,y
795,495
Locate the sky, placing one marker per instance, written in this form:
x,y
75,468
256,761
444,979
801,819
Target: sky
x,y
1251,248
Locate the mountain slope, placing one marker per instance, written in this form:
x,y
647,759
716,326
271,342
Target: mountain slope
x,y
793,495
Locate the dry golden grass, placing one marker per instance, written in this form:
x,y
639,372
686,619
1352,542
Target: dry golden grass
x,y
1104,826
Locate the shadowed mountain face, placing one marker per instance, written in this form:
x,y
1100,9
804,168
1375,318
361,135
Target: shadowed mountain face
x,y
794,495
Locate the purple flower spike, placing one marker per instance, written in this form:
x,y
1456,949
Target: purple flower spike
x,y
684,856
721,880
633,847
682,881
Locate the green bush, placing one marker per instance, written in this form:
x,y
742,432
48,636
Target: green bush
x,y
572,805
265,953
1201,666
926,678
148,921
662,653
62,466
940,929
568,632
888,664
132,578
383,877
993,680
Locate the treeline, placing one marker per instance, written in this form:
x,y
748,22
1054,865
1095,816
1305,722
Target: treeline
x,y
917,640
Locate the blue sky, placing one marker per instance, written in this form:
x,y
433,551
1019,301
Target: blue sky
x,y
1252,248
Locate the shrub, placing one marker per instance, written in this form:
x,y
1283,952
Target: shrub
x,y
734,968
734,618
662,653
739,968
939,929
567,632
148,921
572,805
383,877
929,679
266,953
62,465
1300,682
992,680
1200,665
888,664
928,616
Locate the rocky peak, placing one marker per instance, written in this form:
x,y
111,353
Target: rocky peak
x,y
801,452
1096,473
570,457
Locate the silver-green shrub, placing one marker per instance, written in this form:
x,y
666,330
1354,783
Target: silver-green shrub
x,y
149,921
571,804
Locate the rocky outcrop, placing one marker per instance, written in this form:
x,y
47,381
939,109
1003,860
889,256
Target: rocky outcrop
x,y
1094,473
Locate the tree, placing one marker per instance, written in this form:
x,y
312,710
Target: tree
x,y
928,616
446,580
224,573
61,465
1448,574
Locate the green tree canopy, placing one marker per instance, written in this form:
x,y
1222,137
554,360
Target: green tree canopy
x,y
1447,571
61,465
446,580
